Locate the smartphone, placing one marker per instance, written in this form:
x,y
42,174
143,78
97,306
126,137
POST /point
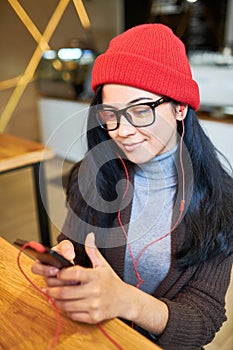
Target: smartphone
x,y
45,255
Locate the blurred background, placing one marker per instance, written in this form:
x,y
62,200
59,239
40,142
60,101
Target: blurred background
x,y
83,30
47,50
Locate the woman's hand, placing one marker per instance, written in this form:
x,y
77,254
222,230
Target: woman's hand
x,y
88,294
95,294
66,249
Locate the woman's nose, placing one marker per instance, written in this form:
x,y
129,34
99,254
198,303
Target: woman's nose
x,y
125,128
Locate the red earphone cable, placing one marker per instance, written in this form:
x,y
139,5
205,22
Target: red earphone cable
x,y
59,319
38,247
109,337
139,279
182,204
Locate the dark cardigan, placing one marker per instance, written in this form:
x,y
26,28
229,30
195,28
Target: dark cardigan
x,y
195,296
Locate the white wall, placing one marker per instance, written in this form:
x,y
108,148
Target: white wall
x,y
215,84
221,134
63,127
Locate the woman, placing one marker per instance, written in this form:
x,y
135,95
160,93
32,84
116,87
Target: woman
x,y
155,198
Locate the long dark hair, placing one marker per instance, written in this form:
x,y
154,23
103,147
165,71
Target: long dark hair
x,y
209,218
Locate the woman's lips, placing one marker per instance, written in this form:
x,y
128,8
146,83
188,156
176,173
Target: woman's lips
x,y
129,147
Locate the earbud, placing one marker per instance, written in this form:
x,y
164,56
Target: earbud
x,y
181,109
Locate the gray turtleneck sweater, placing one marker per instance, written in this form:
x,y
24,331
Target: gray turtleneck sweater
x,y
154,191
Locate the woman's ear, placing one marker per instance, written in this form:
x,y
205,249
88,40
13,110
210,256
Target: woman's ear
x,y
181,111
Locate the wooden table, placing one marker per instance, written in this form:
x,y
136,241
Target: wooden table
x,y
28,321
17,153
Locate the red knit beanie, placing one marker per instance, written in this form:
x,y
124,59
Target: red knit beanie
x,y
148,57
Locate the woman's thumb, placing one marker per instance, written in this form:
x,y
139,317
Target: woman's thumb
x,y
66,249
92,251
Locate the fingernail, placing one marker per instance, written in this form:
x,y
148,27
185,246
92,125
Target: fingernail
x,y
53,271
91,240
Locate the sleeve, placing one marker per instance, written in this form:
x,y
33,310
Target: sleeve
x,y
197,312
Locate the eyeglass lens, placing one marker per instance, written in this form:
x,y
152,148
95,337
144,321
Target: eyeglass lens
x,y
138,115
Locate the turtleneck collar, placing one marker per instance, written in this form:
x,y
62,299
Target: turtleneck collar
x,y
162,167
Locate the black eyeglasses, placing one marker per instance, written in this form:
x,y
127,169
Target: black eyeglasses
x,y
139,115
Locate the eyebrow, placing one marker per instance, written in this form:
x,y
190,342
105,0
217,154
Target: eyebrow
x,y
140,99
130,102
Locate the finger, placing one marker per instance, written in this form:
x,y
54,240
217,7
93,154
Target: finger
x,y
44,270
62,293
55,282
85,317
92,251
71,289
66,249
75,305
76,273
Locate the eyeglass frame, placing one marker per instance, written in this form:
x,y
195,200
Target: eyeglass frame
x,y
122,111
